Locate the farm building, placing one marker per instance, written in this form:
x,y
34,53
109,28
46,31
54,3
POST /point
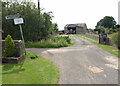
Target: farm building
x,y
76,28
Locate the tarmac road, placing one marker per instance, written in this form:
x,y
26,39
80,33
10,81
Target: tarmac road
x,y
82,63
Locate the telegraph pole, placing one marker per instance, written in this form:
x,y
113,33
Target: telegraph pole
x,y
39,6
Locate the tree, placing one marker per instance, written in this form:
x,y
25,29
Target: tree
x,y
47,23
118,27
107,22
100,30
37,26
55,26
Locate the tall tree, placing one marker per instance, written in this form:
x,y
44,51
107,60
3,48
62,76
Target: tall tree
x,y
107,22
37,26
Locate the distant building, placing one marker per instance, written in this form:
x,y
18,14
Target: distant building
x,y
75,28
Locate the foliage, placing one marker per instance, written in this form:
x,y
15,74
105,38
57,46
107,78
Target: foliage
x,y
107,25
37,26
106,30
54,42
117,26
37,71
116,39
100,30
9,47
107,22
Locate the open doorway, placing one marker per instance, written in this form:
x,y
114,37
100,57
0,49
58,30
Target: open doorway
x,y
71,30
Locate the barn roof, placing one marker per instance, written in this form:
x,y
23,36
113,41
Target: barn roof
x,y
76,25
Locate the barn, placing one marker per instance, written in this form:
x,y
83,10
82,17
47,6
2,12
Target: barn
x,y
79,28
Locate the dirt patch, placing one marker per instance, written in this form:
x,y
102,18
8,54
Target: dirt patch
x,y
95,69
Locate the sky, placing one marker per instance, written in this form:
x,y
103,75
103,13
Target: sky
x,y
80,11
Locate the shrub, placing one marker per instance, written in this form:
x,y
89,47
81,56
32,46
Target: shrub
x,y
116,39
55,42
9,46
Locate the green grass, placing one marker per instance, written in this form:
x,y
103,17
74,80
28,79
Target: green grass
x,y
92,40
55,42
31,71
63,35
108,48
110,35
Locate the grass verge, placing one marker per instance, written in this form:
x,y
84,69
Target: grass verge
x,y
31,71
55,42
108,48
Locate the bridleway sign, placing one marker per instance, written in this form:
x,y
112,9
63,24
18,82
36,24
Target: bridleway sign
x,y
12,16
18,21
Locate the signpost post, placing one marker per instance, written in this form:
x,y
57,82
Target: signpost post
x,y
20,21
17,21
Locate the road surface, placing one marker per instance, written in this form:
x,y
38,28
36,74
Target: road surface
x,y
82,63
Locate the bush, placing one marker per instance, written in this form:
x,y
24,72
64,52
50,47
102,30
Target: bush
x,y
116,39
9,46
55,42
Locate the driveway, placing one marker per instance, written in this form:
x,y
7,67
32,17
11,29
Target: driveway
x,y
82,63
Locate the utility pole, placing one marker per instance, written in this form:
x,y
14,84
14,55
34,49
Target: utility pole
x,y
7,4
39,6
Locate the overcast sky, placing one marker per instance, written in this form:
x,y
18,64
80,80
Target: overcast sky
x,y
80,11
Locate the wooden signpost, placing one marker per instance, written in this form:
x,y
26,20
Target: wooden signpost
x,y
12,16
18,21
